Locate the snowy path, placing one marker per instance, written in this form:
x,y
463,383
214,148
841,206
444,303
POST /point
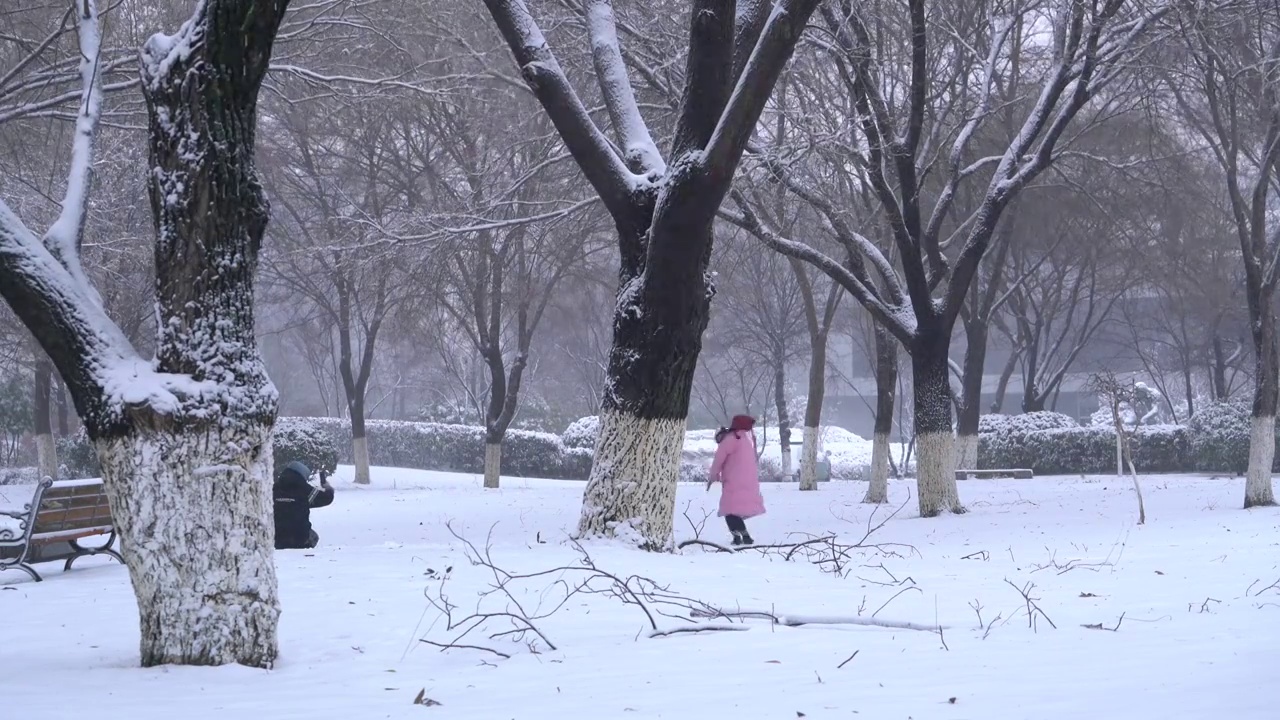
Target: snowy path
x,y
354,608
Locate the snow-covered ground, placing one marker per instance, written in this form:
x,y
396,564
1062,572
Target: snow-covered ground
x,y
1200,636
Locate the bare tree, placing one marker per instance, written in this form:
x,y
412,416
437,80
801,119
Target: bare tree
x,y
1225,91
664,212
185,440
939,255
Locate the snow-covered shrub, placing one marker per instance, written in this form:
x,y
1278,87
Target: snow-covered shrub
x,y
577,463
77,458
1026,422
1219,434
457,448
582,433
305,441
1085,450
19,476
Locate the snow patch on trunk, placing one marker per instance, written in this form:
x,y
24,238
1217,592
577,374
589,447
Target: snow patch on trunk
x,y
878,488
194,513
492,465
936,474
1262,452
967,452
47,456
360,454
632,489
809,460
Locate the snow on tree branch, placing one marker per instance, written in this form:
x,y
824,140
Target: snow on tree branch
x,y
759,75
1000,29
639,150
606,172
897,318
64,237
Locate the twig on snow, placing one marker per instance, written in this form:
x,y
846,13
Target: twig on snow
x,y
846,660
1033,609
1099,626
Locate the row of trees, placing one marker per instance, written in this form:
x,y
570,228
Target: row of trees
x,y
953,168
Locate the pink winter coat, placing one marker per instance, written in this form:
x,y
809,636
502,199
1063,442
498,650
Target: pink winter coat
x,y
735,468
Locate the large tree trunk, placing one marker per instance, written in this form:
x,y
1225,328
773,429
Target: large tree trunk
x,y
191,485
658,323
886,392
813,412
46,448
784,419
198,537
1262,438
935,455
970,410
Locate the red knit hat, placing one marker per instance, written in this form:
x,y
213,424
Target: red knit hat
x,y
742,422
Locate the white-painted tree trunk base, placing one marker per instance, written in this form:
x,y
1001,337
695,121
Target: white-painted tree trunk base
x,y
360,453
809,459
967,452
936,474
1262,452
786,463
193,511
492,465
878,487
631,493
47,456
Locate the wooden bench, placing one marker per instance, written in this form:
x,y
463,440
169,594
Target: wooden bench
x,y
50,527
1015,473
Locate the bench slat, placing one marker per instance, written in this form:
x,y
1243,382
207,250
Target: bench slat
x,y
69,534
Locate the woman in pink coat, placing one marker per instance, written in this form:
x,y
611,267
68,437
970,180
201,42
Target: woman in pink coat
x,y
736,469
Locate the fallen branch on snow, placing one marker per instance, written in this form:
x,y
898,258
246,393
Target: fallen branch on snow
x,y
798,620
825,551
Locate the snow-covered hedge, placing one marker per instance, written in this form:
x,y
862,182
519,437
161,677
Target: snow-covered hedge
x,y
1085,450
296,439
1220,438
1026,422
582,432
456,448
19,476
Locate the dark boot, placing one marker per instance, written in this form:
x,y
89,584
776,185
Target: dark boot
x,y
737,538
746,538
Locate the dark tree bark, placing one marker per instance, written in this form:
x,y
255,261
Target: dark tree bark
x,y
886,352
185,444
664,213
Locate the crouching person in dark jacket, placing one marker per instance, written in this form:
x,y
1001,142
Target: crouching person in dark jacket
x,y
294,499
